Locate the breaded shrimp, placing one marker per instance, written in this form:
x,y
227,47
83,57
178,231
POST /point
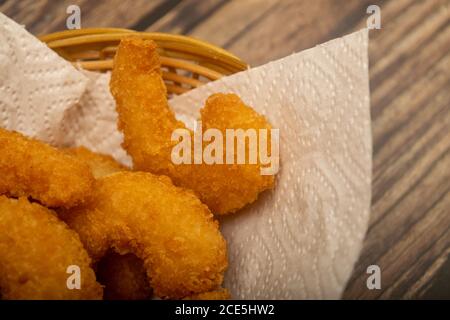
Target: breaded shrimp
x,y
36,249
167,227
226,188
100,164
144,115
148,123
124,277
34,169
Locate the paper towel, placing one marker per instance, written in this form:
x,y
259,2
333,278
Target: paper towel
x,y
301,240
36,85
297,241
93,121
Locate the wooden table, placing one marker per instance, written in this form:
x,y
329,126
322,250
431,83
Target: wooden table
x,y
409,234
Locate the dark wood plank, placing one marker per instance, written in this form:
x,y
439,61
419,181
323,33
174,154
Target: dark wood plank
x,y
403,261
155,14
409,82
435,282
46,16
410,98
261,31
210,20
409,231
184,17
423,269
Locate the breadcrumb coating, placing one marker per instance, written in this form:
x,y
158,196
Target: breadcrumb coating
x,y
36,248
148,123
167,227
100,164
123,276
31,168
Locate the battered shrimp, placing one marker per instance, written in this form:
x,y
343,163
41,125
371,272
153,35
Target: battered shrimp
x,y
34,169
36,249
100,164
148,123
168,228
123,276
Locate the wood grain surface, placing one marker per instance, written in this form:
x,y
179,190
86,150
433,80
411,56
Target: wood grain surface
x,y
409,232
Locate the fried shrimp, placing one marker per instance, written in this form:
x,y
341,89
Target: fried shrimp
x,y
167,227
100,164
36,250
148,124
124,277
34,169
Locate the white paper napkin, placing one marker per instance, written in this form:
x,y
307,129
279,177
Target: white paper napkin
x,y
301,240
36,85
93,121
298,241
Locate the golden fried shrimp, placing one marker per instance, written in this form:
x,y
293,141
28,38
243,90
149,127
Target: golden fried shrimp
x,y
167,227
101,164
36,249
148,124
144,115
228,187
124,277
34,169
220,294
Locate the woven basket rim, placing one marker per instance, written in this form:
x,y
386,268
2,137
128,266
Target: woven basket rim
x,y
69,38
91,49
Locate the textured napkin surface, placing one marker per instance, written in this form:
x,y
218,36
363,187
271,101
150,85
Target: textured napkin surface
x,y
299,240
36,85
93,121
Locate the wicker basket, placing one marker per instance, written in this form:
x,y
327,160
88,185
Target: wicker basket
x,y
186,62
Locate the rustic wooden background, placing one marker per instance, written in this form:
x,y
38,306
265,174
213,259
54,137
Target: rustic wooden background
x,y
409,232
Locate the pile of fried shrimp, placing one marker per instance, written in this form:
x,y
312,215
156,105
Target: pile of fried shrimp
x,y
75,224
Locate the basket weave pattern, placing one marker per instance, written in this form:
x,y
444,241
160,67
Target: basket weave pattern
x,y
186,62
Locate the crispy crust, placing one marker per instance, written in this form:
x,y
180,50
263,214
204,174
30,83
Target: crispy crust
x,y
36,249
34,169
148,123
166,227
123,276
100,164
